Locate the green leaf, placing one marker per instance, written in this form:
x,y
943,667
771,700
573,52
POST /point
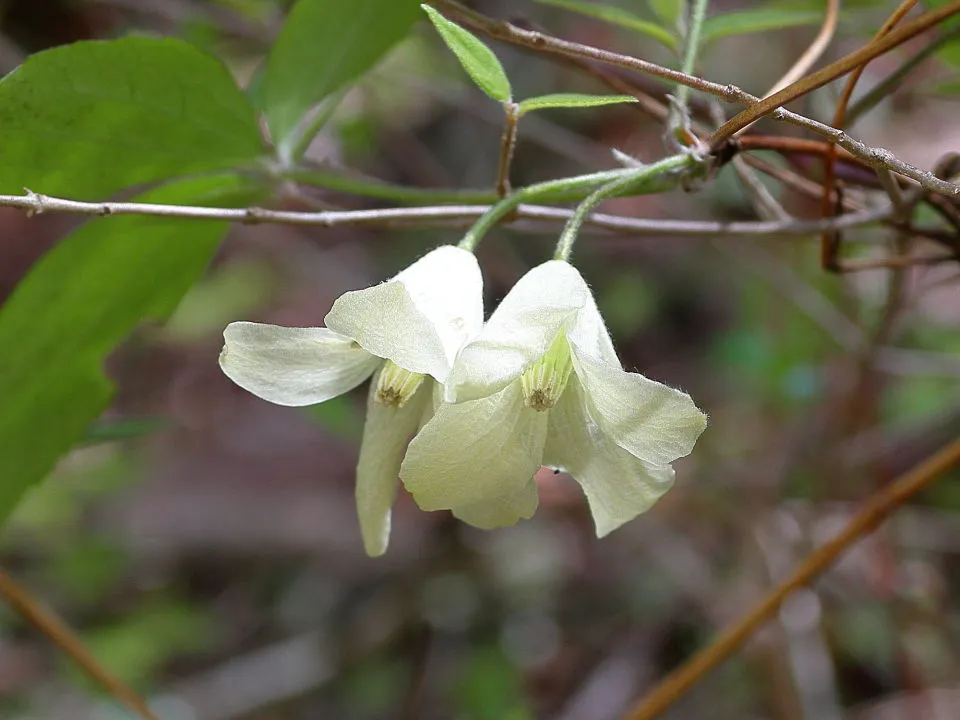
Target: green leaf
x,y
945,88
760,20
88,119
323,46
476,58
571,100
669,11
75,305
949,52
617,16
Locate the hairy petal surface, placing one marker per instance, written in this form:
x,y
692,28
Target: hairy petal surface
x,y
293,366
475,451
653,422
386,431
589,332
420,318
543,303
502,511
618,486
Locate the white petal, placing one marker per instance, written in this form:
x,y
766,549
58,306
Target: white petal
x,y
655,423
293,366
385,435
618,486
543,303
475,451
422,317
447,286
502,511
589,332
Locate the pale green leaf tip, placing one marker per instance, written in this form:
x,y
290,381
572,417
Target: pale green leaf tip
x,y
498,87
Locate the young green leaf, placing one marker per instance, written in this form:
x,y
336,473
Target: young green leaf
x,y
618,16
759,20
87,119
571,100
323,46
76,304
476,58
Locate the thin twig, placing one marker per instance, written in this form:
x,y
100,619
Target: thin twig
x,y
806,61
895,262
35,203
874,48
828,241
419,658
679,121
873,156
874,512
695,228
796,182
294,148
63,637
508,32
896,79
897,198
761,199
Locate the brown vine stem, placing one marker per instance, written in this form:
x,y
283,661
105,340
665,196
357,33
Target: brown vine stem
x,y
806,61
876,510
874,48
56,630
873,156
828,241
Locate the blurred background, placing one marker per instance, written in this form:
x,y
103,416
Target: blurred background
x,y
213,560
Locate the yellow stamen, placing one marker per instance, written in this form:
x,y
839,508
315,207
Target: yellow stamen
x,y
396,385
544,382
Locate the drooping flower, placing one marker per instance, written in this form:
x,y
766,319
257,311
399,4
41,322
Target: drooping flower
x,y
542,385
406,332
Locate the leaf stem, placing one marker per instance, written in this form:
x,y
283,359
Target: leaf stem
x,y
293,150
636,179
554,190
679,121
508,141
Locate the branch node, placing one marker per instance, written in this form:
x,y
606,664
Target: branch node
x,y
881,156
253,216
37,201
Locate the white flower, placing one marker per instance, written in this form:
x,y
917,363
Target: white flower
x,y
404,331
542,385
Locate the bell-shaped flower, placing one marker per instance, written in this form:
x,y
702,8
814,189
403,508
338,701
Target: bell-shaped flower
x,y
405,332
542,385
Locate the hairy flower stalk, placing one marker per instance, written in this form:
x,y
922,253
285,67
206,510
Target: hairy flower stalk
x,y
405,332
